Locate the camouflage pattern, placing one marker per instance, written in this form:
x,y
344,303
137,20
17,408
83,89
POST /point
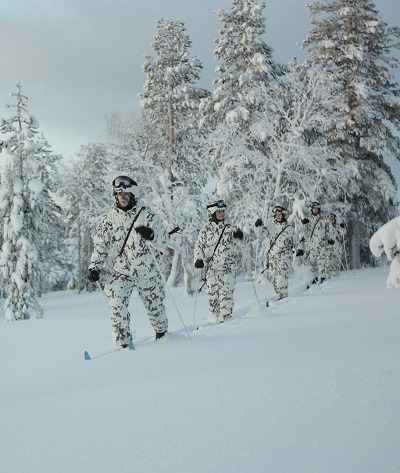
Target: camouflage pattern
x,y
334,260
280,242
317,233
135,268
220,269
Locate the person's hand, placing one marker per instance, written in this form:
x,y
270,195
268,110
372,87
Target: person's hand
x,y
342,225
304,221
299,253
94,275
199,263
331,242
145,232
258,222
238,234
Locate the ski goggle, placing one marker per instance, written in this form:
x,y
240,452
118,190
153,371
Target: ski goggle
x,y
124,184
278,210
123,181
220,204
121,190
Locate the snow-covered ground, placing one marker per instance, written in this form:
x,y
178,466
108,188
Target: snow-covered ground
x,y
308,386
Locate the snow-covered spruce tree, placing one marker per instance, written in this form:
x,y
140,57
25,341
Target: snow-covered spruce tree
x,y
87,188
170,109
129,140
245,68
350,40
293,168
244,62
55,267
21,188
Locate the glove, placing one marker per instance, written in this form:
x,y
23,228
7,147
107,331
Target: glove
x,y
331,242
145,232
238,234
199,263
94,275
299,253
304,221
342,225
258,222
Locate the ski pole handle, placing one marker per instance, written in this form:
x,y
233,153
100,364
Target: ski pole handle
x,y
174,230
199,290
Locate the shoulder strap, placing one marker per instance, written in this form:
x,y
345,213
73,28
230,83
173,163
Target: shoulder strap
x,y
279,234
205,276
129,231
219,239
312,233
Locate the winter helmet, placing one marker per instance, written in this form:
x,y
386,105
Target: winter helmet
x,y
316,204
212,207
125,184
279,209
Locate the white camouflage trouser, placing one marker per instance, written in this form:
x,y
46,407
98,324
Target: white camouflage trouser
x,y
279,272
333,266
220,287
318,261
152,294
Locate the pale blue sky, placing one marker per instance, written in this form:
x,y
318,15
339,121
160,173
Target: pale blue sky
x,y
78,60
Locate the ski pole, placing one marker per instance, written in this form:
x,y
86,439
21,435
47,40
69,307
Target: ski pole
x,y
101,290
168,289
255,292
174,230
204,279
195,297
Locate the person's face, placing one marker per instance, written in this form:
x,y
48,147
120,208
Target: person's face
x,y
124,199
278,217
220,214
315,210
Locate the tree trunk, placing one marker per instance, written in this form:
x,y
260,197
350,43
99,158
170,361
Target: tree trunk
x,y
354,239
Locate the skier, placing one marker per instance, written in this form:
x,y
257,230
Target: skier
x,y
128,239
216,252
281,242
336,250
319,237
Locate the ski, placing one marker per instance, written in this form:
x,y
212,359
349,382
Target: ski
x,y
88,356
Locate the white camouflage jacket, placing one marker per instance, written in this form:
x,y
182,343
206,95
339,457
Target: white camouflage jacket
x,y
280,239
225,257
136,259
318,231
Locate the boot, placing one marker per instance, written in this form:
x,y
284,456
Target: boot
x,y
160,335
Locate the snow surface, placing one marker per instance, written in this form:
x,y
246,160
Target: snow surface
x,y
310,385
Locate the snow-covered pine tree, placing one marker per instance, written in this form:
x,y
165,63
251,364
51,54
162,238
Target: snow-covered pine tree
x,y
87,188
245,68
21,188
170,108
244,62
350,40
55,267
129,139
295,167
